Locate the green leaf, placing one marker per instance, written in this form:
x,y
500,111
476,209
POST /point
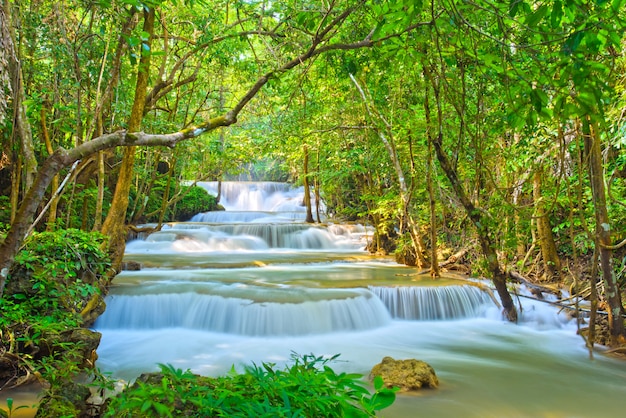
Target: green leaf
x,y
163,410
147,404
572,42
378,383
537,16
557,14
617,5
382,400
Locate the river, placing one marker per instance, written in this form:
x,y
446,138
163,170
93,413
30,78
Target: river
x,y
256,284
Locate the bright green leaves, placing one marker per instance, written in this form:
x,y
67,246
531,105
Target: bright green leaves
x,y
394,16
517,7
533,19
556,15
383,398
564,54
140,40
306,388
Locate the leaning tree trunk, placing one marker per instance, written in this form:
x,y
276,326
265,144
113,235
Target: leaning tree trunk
x,y
114,224
485,235
603,234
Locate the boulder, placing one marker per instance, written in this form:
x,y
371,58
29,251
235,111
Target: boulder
x,y
408,374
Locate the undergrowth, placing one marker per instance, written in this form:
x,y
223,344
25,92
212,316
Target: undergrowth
x,y
308,387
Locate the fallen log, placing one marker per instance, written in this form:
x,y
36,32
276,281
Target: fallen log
x,y
454,257
535,289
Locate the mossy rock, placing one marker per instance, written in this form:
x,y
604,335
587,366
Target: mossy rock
x,y
67,400
408,375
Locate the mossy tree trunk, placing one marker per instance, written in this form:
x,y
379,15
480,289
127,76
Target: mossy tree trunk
x,y
114,225
603,233
551,261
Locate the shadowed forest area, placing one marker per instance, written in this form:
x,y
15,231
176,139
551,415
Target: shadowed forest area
x,y
481,138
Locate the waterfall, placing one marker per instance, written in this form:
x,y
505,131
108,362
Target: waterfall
x,y
433,303
359,311
258,196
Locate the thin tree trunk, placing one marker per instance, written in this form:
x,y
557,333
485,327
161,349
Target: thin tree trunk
x,y
551,261
52,216
434,265
307,188
416,237
603,234
316,186
485,234
97,223
21,130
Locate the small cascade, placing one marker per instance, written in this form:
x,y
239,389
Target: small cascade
x,y
433,303
230,216
358,310
182,237
257,196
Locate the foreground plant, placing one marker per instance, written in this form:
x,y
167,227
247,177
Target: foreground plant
x,y
308,387
53,294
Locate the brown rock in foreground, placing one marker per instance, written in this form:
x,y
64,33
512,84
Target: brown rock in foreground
x,y
408,374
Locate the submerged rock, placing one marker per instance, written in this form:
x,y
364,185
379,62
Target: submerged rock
x,y
408,374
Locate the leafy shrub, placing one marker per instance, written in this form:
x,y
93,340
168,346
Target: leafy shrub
x,y
193,200
307,388
53,279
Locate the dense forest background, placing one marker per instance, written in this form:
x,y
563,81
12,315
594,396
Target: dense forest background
x,y
490,129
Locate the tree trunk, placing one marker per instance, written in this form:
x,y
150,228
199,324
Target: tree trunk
x,y
97,223
551,261
316,186
481,224
416,238
603,234
21,130
114,224
484,233
307,188
52,216
434,266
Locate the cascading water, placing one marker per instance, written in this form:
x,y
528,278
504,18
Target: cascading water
x,y
254,283
433,303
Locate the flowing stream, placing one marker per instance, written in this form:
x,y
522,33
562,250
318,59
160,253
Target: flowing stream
x,y
255,284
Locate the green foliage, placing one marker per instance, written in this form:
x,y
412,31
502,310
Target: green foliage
x,y
195,200
306,388
189,201
53,279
